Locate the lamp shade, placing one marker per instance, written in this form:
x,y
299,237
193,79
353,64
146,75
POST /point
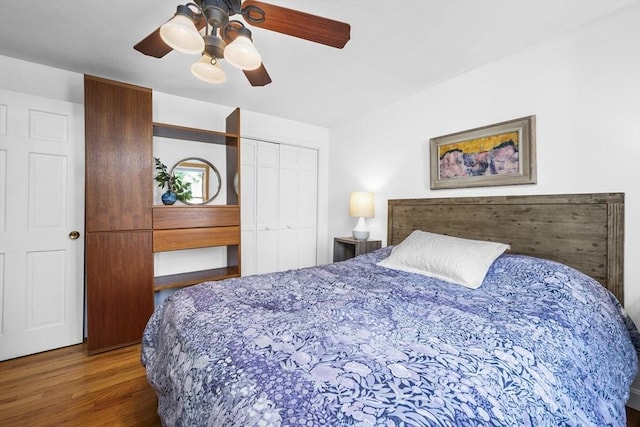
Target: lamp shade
x,y
361,204
207,70
241,53
181,34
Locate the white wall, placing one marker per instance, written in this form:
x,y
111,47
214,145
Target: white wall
x,y
583,87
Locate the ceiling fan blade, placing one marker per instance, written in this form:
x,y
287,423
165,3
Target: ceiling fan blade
x,y
297,24
258,77
153,45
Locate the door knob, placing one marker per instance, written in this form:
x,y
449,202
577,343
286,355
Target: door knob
x,y
74,235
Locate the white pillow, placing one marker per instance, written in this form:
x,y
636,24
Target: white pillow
x,y
461,261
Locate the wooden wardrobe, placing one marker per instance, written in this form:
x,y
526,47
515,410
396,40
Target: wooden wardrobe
x,y
118,212
124,229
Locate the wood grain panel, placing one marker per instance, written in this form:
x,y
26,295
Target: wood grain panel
x,y
119,275
119,157
584,231
615,249
168,217
191,238
181,280
233,156
165,130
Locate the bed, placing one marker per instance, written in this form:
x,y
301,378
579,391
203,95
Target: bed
x,y
543,341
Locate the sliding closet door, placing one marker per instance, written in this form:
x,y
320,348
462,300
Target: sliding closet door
x,y
297,207
279,207
248,206
267,208
288,209
307,207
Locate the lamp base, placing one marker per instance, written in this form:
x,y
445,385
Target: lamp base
x,y
360,231
360,235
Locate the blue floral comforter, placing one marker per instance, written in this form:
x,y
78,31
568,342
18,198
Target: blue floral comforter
x,y
353,343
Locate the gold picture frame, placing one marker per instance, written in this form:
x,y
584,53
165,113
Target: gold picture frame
x,y
498,154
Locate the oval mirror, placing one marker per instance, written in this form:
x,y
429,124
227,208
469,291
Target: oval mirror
x,y
203,176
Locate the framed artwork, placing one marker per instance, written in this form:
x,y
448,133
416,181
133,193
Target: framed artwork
x,y
498,154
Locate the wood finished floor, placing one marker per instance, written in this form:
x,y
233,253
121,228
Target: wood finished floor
x,y
67,387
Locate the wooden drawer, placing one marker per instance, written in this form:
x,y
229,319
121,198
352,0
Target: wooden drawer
x,y
190,238
170,217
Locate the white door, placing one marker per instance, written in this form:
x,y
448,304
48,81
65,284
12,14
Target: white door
x,y
298,207
308,208
248,206
41,208
267,208
288,208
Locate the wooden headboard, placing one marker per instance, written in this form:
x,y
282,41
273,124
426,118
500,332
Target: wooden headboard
x,y
584,231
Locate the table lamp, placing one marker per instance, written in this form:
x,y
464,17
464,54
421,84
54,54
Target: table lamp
x,y
361,206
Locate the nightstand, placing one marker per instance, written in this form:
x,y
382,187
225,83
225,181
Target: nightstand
x,y
348,247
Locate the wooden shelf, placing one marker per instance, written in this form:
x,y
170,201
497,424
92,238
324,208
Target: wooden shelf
x,y
201,226
190,134
182,280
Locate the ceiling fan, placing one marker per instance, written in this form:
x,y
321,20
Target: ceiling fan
x,y
204,28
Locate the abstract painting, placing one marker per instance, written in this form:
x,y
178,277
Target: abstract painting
x,y
498,154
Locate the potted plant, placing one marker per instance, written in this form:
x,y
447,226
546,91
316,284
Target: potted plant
x,y
177,188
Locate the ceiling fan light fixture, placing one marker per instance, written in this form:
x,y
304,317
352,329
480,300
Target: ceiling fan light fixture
x,y
208,70
215,11
241,52
180,32
205,27
214,46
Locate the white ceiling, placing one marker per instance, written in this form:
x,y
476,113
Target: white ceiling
x,y
397,47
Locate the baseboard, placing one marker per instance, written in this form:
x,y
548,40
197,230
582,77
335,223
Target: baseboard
x,y
634,398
